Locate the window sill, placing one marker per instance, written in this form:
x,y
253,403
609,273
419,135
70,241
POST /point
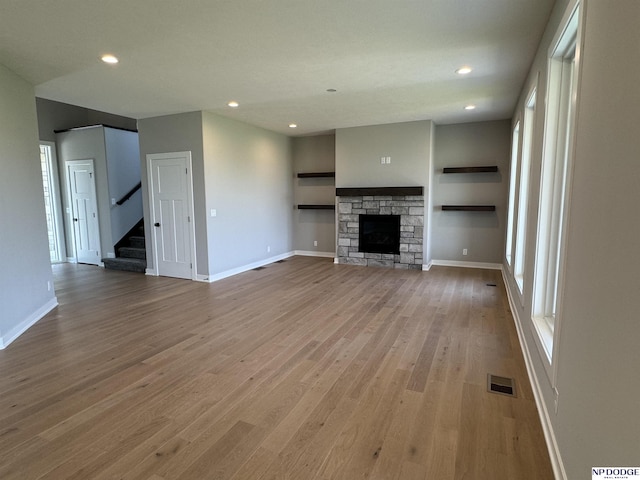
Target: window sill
x,y
544,337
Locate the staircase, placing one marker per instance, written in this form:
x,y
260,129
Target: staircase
x,y
131,255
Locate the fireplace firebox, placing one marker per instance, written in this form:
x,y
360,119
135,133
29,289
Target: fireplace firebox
x,y
379,234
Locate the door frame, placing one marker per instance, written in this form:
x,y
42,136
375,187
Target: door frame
x,y
67,164
190,205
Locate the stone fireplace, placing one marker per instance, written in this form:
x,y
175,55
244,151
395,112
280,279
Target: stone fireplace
x,y
405,202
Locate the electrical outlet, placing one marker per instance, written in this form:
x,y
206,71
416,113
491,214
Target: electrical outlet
x,y
48,286
315,243
464,251
268,248
382,160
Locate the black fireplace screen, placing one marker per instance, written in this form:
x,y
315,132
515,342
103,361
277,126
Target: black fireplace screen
x,y
379,234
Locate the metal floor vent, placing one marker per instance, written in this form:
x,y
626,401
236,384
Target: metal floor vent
x,y
501,385
259,268
491,285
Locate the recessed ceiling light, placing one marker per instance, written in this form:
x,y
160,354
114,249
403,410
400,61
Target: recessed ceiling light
x,y
464,70
233,104
109,59
292,125
470,107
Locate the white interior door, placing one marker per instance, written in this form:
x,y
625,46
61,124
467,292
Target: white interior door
x,y
172,207
84,211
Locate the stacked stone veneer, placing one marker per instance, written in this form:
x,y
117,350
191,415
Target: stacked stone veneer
x,y
411,211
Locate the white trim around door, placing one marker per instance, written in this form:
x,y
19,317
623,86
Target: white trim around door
x,y
83,214
171,206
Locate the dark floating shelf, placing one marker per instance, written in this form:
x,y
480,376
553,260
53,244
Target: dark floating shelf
x,y
317,175
316,207
485,169
385,191
469,208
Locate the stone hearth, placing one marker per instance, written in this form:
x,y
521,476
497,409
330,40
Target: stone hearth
x,y
411,211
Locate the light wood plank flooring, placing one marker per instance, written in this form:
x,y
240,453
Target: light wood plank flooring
x,y
300,370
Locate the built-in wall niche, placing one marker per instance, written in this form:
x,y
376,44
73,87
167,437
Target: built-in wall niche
x,y
310,176
469,170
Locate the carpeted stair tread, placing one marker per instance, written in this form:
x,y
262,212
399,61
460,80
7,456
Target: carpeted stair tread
x,y
125,264
132,252
136,241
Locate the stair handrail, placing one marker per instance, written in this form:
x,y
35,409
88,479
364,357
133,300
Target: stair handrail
x,y
129,194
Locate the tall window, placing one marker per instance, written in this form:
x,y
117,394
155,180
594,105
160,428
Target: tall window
x,y
51,200
523,191
513,172
553,184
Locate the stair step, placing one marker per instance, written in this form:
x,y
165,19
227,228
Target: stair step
x,y
125,264
132,252
136,241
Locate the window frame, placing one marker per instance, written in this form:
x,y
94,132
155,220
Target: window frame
x,y
53,183
513,177
555,185
523,192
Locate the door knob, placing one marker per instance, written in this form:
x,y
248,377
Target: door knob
x,y
75,219
156,224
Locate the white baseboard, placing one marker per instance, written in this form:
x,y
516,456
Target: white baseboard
x,y
19,329
427,266
543,412
310,253
456,263
245,268
235,271
198,278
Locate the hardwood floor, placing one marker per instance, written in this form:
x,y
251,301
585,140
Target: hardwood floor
x,y
301,370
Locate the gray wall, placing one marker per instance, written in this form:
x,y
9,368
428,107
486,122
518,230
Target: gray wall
x,y
86,144
25,272
481,233
314,154
123,169
243,172
428,202
410,146
117,166
358,152
597,421
61,116
248,178
176,133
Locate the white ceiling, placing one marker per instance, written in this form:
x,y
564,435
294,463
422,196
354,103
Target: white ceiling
x,y
389,60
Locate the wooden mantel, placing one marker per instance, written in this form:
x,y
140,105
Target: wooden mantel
x,y
387,191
